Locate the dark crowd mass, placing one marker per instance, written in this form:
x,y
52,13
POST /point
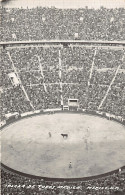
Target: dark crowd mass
x,y
53,23
16,184
45,89
44,77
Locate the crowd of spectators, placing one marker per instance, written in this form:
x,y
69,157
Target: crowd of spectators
x,y
16,184
49,73
53,23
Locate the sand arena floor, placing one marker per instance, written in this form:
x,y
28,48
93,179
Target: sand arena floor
x,y
94,145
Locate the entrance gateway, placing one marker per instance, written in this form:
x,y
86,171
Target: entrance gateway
x,y
73,105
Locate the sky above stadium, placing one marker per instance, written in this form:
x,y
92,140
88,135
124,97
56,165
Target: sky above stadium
x,y
65,3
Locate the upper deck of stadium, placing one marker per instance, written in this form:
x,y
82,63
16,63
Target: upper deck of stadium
x,y
71,25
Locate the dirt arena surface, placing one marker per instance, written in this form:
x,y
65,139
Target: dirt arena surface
x,y
94,145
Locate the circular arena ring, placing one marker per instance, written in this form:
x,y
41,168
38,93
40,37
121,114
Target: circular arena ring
x,y
63,145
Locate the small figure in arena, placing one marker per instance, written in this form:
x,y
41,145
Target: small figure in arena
x,y
50,135
70,165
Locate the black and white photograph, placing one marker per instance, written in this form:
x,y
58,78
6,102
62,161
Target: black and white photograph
x,y
62,97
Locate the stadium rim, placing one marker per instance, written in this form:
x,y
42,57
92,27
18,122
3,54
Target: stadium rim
x,y
66,42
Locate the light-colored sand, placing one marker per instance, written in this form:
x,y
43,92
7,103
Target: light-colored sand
x,y
94,145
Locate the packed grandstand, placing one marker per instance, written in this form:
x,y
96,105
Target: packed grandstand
x,y
53,23
39,77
